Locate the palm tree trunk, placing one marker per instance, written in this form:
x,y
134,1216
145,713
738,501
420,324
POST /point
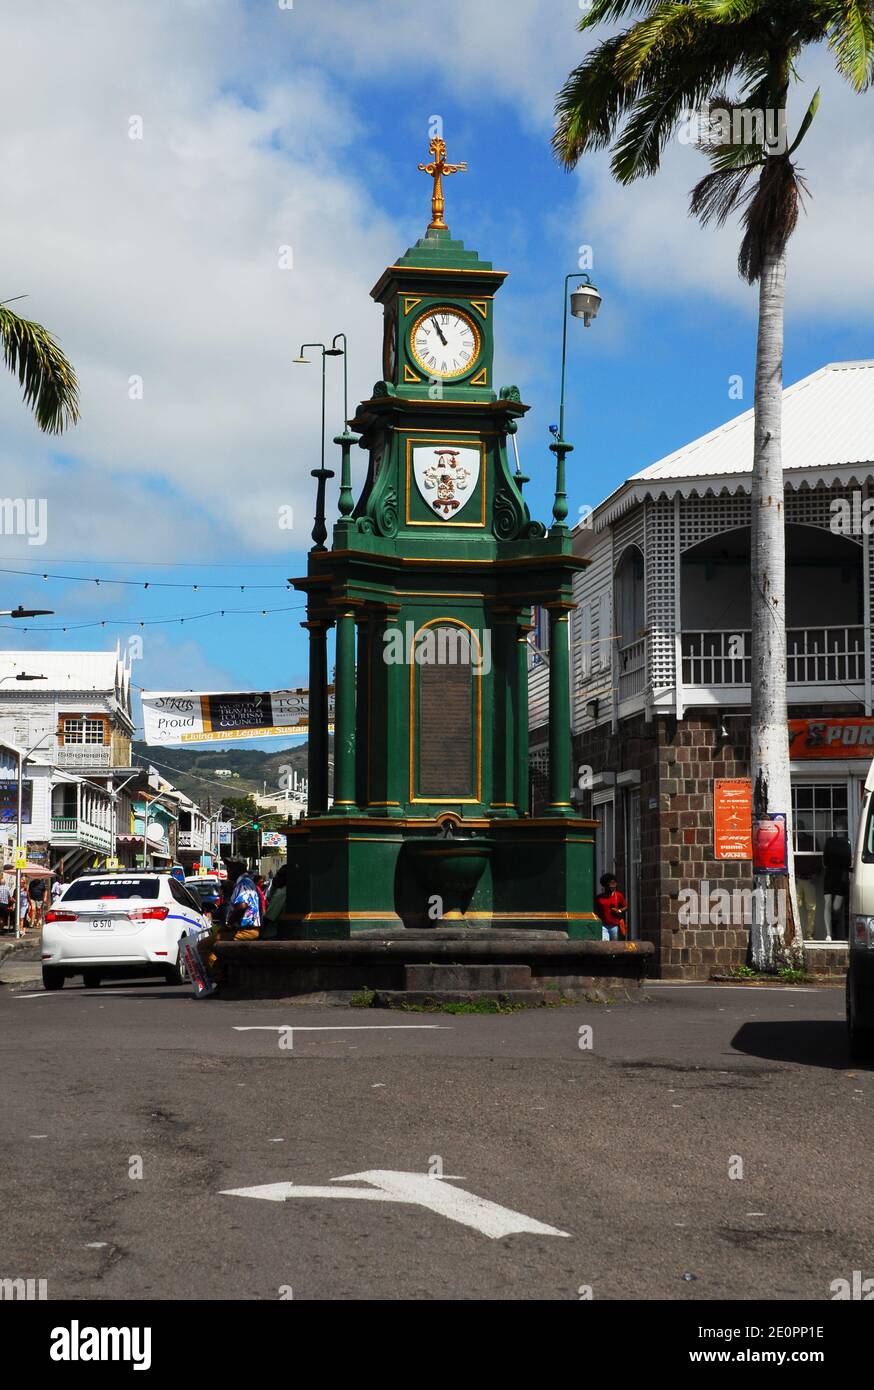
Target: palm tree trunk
x,y
773,928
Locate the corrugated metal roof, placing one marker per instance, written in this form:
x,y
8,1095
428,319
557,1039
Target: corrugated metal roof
x,y
828,438
828,421
63,671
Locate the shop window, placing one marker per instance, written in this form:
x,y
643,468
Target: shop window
x,y
819,810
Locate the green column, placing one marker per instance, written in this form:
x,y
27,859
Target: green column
x,y
317,740
520,713
396,723
559,712
363,715
502,681
344,714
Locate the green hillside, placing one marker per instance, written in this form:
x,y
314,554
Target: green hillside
x,y
192,770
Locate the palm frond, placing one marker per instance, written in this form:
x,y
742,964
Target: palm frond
x,y
47,377
591,104
851,39
608,11
806,122
771,215
720,193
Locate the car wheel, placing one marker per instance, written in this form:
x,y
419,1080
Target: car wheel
x,y
91,979
52,978
861,1037
177,974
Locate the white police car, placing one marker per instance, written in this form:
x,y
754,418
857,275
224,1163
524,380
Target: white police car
x,y
120,924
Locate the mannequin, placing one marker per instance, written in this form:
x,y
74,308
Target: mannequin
x,y
806,871
837,857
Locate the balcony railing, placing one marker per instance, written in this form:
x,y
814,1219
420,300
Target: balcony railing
x,y
632,670
72,830
814,656
193,839
84,755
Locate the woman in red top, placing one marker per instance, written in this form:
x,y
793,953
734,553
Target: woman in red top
x,y
610,905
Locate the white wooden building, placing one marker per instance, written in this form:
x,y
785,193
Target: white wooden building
x,y
661,639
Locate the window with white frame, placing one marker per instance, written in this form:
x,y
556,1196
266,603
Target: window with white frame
x,y
82,729
819,810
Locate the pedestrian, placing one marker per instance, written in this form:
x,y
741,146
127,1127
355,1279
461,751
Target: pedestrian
x,y
23,906
276,906
262,897
37,895
5,904
610,905
244,914
58,887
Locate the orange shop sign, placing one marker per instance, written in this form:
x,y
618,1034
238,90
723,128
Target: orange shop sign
x,y
831,738
733,818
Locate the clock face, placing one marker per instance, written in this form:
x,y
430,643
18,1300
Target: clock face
x,y
445,342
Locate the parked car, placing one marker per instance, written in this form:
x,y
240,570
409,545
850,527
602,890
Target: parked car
x,y
860,973
119,924
210,893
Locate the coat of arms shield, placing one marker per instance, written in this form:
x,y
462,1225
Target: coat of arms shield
x,y
446,476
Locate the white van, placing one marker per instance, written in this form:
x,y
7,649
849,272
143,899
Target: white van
x,y
860,975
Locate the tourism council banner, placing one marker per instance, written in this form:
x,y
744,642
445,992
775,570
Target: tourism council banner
x,y
211,717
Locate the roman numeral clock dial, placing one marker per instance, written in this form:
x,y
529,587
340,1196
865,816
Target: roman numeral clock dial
x,y
445,343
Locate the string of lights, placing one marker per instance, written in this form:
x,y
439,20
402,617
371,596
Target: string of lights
x,y
140,583
152,622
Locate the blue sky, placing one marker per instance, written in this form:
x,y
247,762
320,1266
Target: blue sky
x,y
156,258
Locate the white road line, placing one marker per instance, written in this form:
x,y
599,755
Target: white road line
x,y
335,1028
761,989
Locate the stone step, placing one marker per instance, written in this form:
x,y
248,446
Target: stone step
x,y
459,976
397,998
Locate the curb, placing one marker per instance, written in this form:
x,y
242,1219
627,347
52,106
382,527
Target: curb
x,y
9,948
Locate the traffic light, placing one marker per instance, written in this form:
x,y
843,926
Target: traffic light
x,y
256,825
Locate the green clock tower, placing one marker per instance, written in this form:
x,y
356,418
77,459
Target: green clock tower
x,y
429,585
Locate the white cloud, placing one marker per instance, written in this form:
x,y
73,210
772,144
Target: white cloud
x,y
643,234
159,258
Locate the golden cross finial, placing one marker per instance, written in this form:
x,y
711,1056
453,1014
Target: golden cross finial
x,y
437,168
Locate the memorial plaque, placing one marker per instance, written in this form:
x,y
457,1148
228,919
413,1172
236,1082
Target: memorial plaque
x,y
445,729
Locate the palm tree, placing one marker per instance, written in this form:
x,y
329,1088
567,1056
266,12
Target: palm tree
x,y
48,378
631,93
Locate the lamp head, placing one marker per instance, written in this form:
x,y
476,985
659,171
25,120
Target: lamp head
x,y
585,302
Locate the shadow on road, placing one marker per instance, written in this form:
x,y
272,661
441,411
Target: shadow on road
x,y
814,1043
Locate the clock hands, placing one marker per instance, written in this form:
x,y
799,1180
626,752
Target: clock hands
x,y
439,334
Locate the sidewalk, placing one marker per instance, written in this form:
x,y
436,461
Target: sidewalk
x,y
19,959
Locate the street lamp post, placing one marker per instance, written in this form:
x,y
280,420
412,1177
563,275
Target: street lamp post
x,y
22,759
21,676
321,474
585,301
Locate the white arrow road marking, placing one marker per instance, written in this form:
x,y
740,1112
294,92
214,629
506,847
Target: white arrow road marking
x,y
413,1189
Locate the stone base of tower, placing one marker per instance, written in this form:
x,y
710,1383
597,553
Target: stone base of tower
x,y
362,873
442,964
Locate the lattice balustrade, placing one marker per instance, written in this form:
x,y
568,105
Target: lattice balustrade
x,y
660,579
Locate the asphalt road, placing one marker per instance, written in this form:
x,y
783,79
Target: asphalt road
x,y
626,1146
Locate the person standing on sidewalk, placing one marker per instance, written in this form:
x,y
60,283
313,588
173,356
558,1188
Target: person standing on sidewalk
x,y
37,895
610,905
6,914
